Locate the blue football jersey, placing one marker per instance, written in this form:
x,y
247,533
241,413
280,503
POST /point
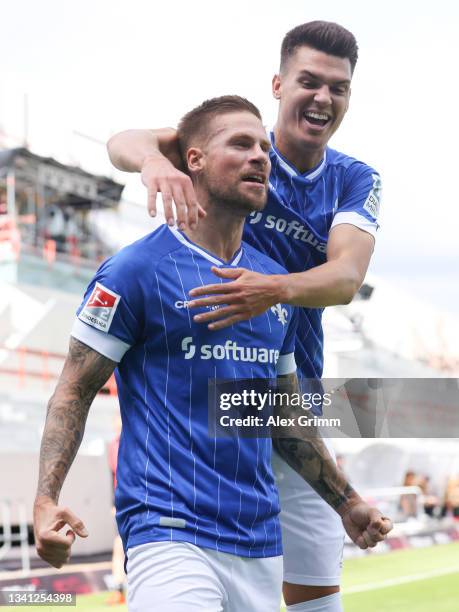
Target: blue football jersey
x,y
174,480
293,229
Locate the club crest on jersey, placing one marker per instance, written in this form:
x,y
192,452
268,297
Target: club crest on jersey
x,y
100,308
281,313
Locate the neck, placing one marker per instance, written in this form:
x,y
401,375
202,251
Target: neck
x,y
297,154
220,232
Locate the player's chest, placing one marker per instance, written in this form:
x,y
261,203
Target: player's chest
x,y
315,202
170,321
297,241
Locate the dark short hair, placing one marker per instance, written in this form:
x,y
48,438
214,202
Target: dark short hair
x,y
323,36
195,124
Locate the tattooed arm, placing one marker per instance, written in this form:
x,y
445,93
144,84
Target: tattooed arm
x,y
85,372
305,451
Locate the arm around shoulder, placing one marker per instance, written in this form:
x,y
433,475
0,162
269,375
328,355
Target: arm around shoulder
x,y
128,150
335,282
156,154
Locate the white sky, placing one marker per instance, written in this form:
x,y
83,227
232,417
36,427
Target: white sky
x,y
101,66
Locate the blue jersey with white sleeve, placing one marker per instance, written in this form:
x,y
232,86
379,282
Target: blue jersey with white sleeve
x,y
174,481
294,227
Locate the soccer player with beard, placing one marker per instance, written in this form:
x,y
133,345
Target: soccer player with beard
x,y
320,224
198,514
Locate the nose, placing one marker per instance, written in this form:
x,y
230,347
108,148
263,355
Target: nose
x,y
323,96
259,155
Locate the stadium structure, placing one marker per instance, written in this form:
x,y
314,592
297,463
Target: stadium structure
x,y
56,226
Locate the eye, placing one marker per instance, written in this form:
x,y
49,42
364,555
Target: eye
x,y
241,144
339,90
308,84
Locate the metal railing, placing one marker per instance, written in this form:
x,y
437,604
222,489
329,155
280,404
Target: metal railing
x,y
23,363
399,503
8,538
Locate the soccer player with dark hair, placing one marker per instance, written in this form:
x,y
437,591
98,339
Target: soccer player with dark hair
x,y
320,224
198,514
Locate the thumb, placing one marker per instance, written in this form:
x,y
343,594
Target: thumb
x,y
70,535
374,526
76,524
227,272
379,523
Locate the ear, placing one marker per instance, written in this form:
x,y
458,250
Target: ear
x,y
195,159
276,86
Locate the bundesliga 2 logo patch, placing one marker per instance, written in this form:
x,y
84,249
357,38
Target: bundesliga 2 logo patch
x,y
100,308
374,197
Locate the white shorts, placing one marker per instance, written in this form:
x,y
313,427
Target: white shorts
x,y
312,532
181,577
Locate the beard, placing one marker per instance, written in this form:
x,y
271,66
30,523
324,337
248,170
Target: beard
x,y
229,198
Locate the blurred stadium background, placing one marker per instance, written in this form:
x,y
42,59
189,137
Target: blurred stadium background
x,y
57,222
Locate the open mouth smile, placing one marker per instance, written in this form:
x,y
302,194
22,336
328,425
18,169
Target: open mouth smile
x,y
316,118
257,179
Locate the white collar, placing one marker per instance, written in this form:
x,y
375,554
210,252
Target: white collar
x,y
209,256
310,175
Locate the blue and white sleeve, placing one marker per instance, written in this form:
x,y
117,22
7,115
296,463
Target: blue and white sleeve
x,y
286,363
110,317
360,201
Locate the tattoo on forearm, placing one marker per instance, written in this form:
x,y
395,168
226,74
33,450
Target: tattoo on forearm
x,y
307,454
84,373
309,460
